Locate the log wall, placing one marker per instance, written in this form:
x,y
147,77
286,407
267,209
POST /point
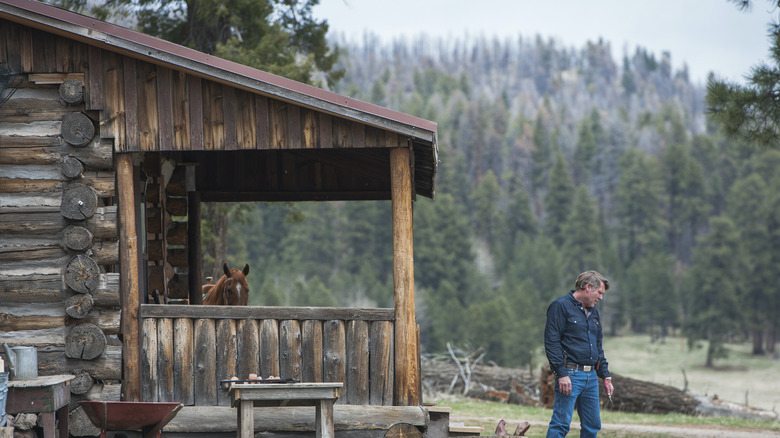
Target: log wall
x,y
188,350
57,212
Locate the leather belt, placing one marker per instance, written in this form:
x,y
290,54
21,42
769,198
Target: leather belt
x,y
574,366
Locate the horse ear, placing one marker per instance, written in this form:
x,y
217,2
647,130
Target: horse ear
x,y
225,269
246,270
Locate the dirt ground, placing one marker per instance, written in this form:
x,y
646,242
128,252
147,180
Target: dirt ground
x,y
681,431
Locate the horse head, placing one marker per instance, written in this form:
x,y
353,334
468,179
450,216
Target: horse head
x,y
231,289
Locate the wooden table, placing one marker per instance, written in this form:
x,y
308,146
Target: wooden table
x,y
44,395
245,396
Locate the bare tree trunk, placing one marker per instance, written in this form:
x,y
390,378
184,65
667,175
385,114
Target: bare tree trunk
x,y
214,232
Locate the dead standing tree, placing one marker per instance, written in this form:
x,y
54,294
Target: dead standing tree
x,y
465,367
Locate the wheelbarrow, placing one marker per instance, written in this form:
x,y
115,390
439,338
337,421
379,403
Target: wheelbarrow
x,y
148,417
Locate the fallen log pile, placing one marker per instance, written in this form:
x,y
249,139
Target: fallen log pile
x,y
464,376
485,382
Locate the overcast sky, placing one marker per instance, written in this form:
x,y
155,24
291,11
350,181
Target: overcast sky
x,y
707,35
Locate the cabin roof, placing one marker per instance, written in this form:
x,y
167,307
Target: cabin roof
x,y
420,132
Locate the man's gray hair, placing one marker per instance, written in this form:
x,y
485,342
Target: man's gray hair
x,y
593,278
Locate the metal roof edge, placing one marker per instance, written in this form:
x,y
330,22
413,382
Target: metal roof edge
x,y
160,51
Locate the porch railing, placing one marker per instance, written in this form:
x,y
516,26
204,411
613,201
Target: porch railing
x,y
187,350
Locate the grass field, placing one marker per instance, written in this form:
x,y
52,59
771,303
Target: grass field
x,y
737,378
740,378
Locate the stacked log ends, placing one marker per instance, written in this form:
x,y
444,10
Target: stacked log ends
x,y
82,274
77,129
72,168
81,384
79,201
77,238
78,306
85,341
72,91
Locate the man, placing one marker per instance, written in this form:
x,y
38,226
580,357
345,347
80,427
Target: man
x,y
572,341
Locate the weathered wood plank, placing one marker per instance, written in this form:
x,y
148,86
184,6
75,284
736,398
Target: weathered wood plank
x,y
248,348
269,348
37,181
180,110
16,317
195,89
102,224
215,419
294,137
113,116
382,363
148,124
149,380
334,353
229,111
51,150
183,363
245,120
312,355
310,129
278,121
357,362
108,366
226,355
164,108
165,361
266,312
205,363
290,356
49,287
94,88
263,122
213,116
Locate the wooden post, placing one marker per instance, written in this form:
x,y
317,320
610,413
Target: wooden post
x,y
129,282
407,373
195,262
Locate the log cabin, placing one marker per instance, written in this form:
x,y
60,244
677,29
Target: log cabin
x,y
109,141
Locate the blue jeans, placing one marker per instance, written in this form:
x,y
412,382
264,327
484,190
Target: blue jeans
x,y
585,397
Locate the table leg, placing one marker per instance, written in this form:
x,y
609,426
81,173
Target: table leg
x,y
323,422
246,420
47,420
62,419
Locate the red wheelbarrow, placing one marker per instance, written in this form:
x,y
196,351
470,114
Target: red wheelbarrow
x,y
148,417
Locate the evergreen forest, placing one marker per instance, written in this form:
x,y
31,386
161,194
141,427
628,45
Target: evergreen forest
x,y
553,160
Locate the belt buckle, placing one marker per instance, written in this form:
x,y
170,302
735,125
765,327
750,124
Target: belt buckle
x,y
587,368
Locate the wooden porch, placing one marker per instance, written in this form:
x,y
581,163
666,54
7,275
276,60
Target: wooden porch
x,y
188,350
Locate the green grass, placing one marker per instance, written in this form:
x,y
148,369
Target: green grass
x,y
736,378
740,377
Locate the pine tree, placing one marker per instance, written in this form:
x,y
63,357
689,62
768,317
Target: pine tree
x,y
557,203
751,111
748,209
638,206
713,289
582,234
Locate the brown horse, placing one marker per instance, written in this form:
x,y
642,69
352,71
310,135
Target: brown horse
x,y
230,290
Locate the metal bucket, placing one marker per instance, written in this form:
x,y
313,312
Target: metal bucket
x,y
3,396
23,361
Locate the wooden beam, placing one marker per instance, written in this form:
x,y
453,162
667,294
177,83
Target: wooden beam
x,y
129,278
195,260
266,312
407,373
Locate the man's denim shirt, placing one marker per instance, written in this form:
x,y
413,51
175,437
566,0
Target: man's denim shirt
x,y
570,335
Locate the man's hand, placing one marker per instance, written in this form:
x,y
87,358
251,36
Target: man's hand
x,y
608,387
564,385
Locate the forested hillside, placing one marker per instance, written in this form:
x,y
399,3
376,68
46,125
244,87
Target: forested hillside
x,y
554,160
